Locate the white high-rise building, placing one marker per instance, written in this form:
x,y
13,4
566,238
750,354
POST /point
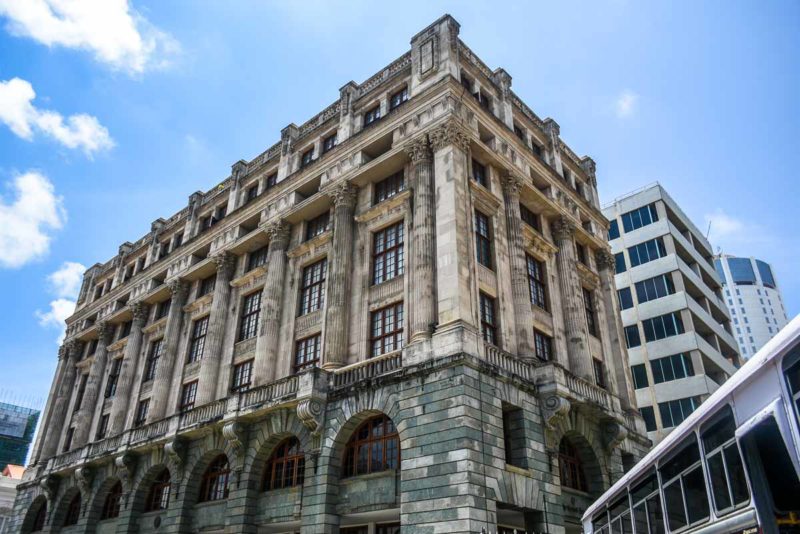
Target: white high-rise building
x,y
754,300
676,325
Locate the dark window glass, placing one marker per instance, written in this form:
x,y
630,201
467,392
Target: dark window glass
x,y
252,193
685,496
312,291
632,336
479,173
242,375
257,258
328,143
649,417
530,218
647,251
372,115
125,329
198,341
158,496
141,412
113,378
307,158
619,263
543,345
536,281
571,467
654,288
675,411
483,239
613,230
188,396
387,329
387,253
81,390
671,368
111,505
599,373
591,316
663,326
639,376
742,271
724,464
156,347
514,441
580,252
206,285
272,180
306,353
286,466
251,311
102,426
488,319
73,511
398,98
39,518
162,309
68,439
389,187
765,272
639,217
214,486
318,225
373,447
625,298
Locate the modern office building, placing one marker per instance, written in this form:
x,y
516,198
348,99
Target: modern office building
x,y
676,324
402,315
754,300
17,426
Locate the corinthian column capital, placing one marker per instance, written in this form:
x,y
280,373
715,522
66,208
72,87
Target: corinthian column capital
x,y
563,229
224,262
418,149
178,289
73,349
512,184
605,260
343,195
139,311
278,233
104,330
449,133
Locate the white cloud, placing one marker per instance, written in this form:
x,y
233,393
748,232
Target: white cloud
x,y
723,225
626,103
28,218
66,281
55,317
23,118
110,29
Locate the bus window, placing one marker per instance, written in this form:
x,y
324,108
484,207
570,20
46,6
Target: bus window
x,y
600,523
685,497
620,512
792,374
647,516
725,469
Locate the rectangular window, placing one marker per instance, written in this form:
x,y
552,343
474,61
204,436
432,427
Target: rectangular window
x,y
162,309
328,143
141,413
251,311
619,263
102,427
483,239
307,158
488,319
398,98
387,253
639,373
113,378
684,487
654,288
675,411
514,441
671,368
632,338
647,251
206,285
372,115
68,439
591,316
272,180
242,375
252,193
613,230
389,187
536,282
387,329
663,326
125,329
479,173
318,225
312,290
639,217
306,353
257,258
599,373
81,390
580,252
188,396
625,298
649,417
156,347
530,218
543,345
724,464
198,341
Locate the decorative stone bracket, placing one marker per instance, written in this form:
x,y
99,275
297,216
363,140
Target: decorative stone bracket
x,y
614,433
236,435
311,412
554,409
175,449
126,467
83,478
49,485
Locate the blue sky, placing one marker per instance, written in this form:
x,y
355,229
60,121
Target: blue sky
x,y
138,105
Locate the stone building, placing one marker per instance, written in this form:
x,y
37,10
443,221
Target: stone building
x,y
403,313
677,328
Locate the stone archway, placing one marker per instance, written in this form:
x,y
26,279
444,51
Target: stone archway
x,y
36,516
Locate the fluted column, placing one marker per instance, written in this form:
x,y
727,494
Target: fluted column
x,y
523,314
130,362
83,419
423,262
166,363
580,361
212,353
337,305
68,356
279,233
619,354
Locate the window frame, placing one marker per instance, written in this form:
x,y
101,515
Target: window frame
x,y
277,464
249,316
371,115
543,346
387,258
318,225
151,362
312,287
188,396
537,282
197,341
140,416
113,378
301,346
398,98
216,477
112,503
570,467
387,435
591,312
241,369
388,187
385,341
257,258
159,493
483,239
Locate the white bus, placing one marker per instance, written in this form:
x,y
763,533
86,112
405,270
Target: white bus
x,y
733,466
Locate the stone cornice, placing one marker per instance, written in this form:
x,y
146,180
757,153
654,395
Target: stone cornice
x,y
484,199
312,244
373,212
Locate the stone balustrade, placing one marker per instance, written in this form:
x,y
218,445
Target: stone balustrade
x,y
366,370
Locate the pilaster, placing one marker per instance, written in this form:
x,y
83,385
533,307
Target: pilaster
x,y
85,415
68,356
130,362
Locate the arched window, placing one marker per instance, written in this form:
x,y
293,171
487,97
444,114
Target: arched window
x,y
285,467
158,497
73,511
572,475
111,506
215,480
373,447
39,518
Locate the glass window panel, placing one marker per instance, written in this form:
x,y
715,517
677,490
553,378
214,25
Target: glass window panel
x,y
696,498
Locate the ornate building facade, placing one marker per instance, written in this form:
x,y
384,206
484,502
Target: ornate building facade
x,y
401,317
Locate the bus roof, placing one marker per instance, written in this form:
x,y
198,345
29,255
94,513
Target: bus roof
x,y
774,348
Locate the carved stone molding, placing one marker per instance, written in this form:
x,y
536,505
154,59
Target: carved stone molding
x,y
614,433
605,260
73,349
512,184
126,467
83,478
104,331
224,262
175,449
541,247
179,289
418,150
140,311
311,412
590,168
554,408
236,436
563,229
343,194
279,233
449,133
49,485
553,131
